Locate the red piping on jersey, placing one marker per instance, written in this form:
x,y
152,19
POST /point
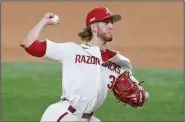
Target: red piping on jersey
x,y
37,48
107,55
62,116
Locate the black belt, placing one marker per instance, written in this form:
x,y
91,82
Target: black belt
x,y
72,110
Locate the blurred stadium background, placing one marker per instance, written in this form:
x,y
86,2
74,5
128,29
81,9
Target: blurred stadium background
x,y
150,35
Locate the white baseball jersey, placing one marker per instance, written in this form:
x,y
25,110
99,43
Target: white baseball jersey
x,y
86,79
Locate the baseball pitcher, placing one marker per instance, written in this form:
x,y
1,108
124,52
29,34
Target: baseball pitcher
x,y
89,70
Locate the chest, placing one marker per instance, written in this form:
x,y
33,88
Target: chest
x,y
87,57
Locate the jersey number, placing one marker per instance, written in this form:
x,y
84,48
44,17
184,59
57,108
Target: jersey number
x,y
113,80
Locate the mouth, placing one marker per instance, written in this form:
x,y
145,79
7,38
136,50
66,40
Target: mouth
x,y
110,34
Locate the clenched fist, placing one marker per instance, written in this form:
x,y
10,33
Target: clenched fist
x,y
51,18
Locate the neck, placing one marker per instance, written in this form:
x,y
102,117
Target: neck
x,y
97,42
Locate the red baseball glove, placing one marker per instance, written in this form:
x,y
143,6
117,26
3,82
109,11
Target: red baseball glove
x,y
128,92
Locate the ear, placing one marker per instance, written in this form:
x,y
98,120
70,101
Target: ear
x,y
94,27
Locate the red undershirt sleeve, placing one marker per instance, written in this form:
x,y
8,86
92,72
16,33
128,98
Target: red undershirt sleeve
x,y
37,48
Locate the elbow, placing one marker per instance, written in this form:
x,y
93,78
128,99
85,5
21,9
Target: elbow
x,y
27,43
24,44
31,37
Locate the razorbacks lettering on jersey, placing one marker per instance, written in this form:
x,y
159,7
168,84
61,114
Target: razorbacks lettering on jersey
x,y
113,67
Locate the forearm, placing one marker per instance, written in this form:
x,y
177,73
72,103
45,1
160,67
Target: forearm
x,y
34,33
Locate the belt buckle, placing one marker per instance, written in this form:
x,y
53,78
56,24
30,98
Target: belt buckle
x,y
87,116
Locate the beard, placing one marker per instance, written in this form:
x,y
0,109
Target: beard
x,y
107,39
104,37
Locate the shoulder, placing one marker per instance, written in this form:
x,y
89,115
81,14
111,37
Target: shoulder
x,y
119,55
66,43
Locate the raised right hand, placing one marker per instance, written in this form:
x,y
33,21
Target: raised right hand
x,y
51,18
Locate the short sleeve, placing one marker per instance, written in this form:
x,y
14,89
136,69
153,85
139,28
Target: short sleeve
x,y
58,51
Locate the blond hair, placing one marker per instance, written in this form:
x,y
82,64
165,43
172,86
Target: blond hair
x,y
86,34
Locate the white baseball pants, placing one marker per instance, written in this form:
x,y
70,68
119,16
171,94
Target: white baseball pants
x,y
58,112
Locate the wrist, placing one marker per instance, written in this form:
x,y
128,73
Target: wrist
x,y
44,21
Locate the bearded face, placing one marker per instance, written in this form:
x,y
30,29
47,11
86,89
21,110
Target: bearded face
x,y
105,30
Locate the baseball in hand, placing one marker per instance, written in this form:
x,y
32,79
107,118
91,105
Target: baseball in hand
x,y
55,19
52,18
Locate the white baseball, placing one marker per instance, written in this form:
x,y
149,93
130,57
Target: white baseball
x,y
55,20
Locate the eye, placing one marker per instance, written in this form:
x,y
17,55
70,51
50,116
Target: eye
x,y
108,21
